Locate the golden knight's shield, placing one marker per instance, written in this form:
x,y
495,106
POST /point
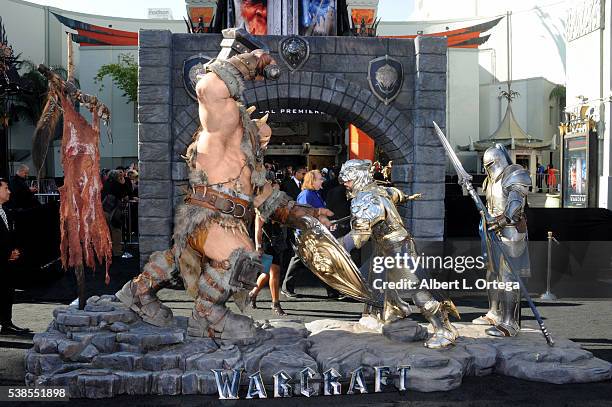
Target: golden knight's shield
x,y
329,261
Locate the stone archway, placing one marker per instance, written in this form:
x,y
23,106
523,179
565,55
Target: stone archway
x,y
333,81
326,93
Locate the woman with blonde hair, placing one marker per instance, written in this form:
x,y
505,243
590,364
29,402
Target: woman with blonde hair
x,y
310,195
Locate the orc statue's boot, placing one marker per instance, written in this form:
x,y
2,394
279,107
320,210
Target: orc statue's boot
x,y
210,317
508,326
139,294
217,322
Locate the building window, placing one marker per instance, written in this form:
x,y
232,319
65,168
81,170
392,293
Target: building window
x,y
551,116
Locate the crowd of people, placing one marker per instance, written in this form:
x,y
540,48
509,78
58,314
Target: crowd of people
x,y
120,186
546,178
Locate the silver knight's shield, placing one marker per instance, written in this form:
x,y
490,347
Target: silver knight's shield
x,y
385,77
192,67
294,51
330,262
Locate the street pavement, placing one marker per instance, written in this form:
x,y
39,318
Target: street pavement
x,y
586,321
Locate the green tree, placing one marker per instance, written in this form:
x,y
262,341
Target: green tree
x,y
124,74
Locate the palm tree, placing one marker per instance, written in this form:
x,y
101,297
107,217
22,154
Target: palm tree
x,y
29,105
509,94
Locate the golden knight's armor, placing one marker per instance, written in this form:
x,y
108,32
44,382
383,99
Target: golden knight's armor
x,y
374,216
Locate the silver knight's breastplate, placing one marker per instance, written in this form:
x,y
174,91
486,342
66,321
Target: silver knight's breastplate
x,y
496,198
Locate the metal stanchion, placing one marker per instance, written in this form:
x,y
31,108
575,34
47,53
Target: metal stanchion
x,y
548,295
127,225
47,197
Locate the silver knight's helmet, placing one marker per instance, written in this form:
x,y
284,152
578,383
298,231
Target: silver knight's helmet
x,y
495,160
357,171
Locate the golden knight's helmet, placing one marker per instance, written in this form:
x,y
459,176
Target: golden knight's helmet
x,y
357,171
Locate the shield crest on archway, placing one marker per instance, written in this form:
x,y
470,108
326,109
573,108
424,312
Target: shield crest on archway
x,y
385,77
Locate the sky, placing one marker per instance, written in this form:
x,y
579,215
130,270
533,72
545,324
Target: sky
x,y
388,10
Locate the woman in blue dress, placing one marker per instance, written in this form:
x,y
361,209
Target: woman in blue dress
x,y
311,187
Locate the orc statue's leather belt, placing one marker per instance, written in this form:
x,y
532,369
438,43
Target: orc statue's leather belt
x,y
208,198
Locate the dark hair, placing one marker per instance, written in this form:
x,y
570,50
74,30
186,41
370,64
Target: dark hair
x,y
3,180
114,174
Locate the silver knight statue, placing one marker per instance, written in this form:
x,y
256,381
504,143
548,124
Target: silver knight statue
x,y
506,188
374,216
212,251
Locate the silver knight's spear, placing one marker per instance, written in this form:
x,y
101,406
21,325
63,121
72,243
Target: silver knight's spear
x,y
465,180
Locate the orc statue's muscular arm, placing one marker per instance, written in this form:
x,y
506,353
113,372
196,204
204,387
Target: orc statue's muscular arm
x,y
223,83
215,102
277,205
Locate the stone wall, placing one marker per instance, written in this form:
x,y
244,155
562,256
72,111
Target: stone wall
x,y
333,80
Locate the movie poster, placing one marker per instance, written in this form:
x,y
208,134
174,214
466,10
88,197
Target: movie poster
x,y
201,18
575,180
361,16
317,17
252,15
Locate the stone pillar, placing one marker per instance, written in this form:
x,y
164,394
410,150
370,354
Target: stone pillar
x,y
154,141
429,164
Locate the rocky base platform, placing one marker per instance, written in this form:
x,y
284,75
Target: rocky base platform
x,y
105,350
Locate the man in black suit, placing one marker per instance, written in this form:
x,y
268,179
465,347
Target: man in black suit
x,y
8,255
293,186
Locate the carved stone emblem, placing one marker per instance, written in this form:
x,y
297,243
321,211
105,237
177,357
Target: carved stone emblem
x,y
294,51
385,77
192,67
